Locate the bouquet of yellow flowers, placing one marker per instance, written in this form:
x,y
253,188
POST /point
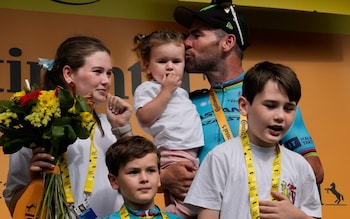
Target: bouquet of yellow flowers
x,y
52,119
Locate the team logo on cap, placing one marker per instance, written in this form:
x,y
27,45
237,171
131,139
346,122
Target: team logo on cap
x,y
229,25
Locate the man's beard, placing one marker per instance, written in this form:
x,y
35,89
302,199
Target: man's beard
x,y
202,65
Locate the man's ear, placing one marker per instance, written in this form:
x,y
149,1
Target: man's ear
x,y
229,43
113,181
243,105
67,74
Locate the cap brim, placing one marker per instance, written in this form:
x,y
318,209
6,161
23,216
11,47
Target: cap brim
x,y
184,16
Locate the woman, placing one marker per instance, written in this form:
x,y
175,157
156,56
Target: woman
x,y
83,65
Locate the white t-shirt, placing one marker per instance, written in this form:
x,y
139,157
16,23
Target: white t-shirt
x,y
103,200
221,182
179,127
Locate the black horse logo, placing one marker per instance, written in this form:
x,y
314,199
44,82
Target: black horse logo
x,y
335,192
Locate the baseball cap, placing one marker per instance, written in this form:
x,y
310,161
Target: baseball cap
x,y
220,14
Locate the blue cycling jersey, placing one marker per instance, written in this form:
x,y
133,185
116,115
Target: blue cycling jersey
x,y
297,138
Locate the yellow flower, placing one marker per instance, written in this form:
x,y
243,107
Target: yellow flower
x,y
87,119
50,103
48,107
6,117
18,95
73,109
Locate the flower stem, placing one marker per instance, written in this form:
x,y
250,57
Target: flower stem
x,y
45,204
53,204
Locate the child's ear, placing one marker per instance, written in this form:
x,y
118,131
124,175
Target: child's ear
x,y
159,183
147,70
242,104
146,67
113,181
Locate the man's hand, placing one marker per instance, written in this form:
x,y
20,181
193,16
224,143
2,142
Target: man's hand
x,y
177,178
316,165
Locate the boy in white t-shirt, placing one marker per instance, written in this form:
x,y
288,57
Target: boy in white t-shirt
x,y
252,176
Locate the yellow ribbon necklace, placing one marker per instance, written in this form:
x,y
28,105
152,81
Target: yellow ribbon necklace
x,y
90,177
221,118
252,184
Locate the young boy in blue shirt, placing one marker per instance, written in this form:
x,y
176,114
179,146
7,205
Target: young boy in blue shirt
x,y
134,164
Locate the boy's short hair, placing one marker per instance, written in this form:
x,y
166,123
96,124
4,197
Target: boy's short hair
x,y
256,78
127,149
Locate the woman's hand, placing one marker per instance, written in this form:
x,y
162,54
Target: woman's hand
x,y
118,111
40,161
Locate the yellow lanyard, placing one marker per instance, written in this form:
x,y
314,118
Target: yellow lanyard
x,y
124,214
90,177
221,118
252,184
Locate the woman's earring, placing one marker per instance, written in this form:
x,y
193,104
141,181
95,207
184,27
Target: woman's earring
x,y
72,87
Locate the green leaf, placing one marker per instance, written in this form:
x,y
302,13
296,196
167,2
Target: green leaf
x,y
82,106
66,100
61,121
18,110
80,131
10,146
5,104
62,137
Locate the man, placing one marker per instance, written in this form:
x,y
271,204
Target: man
x,y
217,39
